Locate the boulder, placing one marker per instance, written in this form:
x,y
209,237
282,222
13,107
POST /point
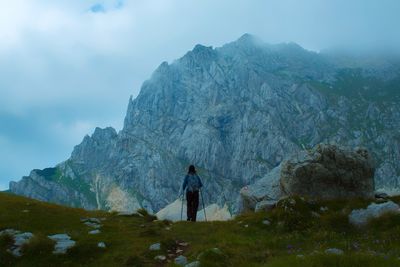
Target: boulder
x,y
361,216
266,189
329,172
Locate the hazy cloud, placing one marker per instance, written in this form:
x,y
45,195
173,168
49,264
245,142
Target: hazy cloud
x,y
68,66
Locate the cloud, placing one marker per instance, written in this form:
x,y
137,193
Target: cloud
x,y
68,66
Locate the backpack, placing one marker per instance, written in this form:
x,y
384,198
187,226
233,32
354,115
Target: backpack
x,y
193,183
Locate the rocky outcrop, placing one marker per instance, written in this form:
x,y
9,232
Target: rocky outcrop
x,y
236,112
324,172
329,172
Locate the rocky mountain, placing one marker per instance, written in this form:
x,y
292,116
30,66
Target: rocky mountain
x,y
235,112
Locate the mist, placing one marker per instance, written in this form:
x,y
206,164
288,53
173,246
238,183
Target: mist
x,y
69,66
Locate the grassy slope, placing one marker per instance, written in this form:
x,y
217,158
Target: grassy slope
x,y
293,231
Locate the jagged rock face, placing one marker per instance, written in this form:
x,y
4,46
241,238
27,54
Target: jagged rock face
x,y
329,172
235,112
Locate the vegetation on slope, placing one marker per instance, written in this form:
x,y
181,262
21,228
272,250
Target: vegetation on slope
x,y
298,234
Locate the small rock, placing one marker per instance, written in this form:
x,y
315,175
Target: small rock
x,y
315,252
323,209
334,251
361,216
92,224
183,244
381,195
160,258
216,250
93,220
63,243
25,211
20,239
94,232
156,246
168,228
193,264
246,226
265,205
181,260
315,214
178,251
101,245
300,256
10,232
266,222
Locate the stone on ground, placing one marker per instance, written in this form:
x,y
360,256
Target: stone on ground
x,y
20,239
160,258
334,251
181,260
193,264
63,243
156,246
265,205
266,222
361,216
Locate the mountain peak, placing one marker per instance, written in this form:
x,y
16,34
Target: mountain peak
x,y
201,48
249,39
246,37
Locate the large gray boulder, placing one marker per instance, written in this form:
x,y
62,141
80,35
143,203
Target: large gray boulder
x,y
266,190
329,172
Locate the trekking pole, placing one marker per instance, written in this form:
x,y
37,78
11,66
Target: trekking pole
x,y
181,197
204,208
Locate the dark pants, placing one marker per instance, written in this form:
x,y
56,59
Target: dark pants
x,y
192,205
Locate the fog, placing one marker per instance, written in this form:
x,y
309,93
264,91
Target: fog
x,y
69,66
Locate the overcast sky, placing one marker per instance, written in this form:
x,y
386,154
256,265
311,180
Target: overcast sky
x,y
67,66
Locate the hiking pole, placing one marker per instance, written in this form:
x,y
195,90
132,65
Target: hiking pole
x,y
204,208
181,197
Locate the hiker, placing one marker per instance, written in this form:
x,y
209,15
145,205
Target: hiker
x,y
192,184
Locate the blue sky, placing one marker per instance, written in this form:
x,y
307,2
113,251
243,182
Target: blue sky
x,y
68,66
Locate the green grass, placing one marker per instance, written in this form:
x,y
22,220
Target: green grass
x,y
295,229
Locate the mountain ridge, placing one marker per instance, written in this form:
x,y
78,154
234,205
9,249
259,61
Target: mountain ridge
x,y
235,112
